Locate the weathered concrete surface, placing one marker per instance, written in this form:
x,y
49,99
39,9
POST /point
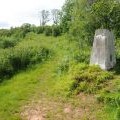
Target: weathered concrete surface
x,y
103,52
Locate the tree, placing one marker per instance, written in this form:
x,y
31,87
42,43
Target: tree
x,y
81,29
106,14
55,16
80,18
66,15
44,17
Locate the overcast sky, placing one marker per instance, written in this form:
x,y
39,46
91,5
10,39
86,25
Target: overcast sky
x,y
17,12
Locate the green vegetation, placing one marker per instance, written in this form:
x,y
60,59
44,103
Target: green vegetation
x,y
59,79
21,56
88,79
46,70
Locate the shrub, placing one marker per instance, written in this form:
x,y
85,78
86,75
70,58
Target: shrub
x,y
48,31
56,31
40,56
20,57
7,42
82,57
6,69
5,33
88,79
40,30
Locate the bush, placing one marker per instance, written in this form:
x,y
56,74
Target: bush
x,y
56,31
88,79
48,31
83,56
6,69
40,30
5,33
7,42
20,57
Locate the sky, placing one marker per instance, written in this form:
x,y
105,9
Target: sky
x,y
16,12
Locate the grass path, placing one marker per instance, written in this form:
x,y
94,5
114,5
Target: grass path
x,y
21,88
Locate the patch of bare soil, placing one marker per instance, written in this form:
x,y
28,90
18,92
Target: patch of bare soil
x,y
48,109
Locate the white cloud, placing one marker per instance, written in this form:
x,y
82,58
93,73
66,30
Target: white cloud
x,y
17,12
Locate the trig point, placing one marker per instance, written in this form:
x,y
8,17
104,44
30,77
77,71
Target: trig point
x,y
103,51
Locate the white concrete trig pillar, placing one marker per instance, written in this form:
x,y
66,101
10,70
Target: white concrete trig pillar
x,y
103,51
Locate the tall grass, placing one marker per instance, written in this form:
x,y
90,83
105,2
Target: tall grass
x,y
21,56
